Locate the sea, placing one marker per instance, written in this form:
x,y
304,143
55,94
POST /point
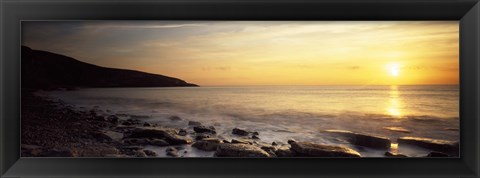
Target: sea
x,y
280,113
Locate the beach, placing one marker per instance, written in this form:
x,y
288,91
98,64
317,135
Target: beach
x,y
100,123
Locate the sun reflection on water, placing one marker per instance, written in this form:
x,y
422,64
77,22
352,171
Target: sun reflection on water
x,y
395,104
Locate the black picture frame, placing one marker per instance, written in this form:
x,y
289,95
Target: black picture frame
x,y
14,11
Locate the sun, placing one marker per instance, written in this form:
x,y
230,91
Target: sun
x,y
394,69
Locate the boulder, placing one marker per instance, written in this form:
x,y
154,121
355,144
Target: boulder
x,y
182,132
204,129
285,152
140,154
239,150
255,137
135,141
207,144
240,132
317,150
169,135
194,123
241,141
150,153
171,151
146,124
113,119
158,142
201,136
444,146
363,139
395,155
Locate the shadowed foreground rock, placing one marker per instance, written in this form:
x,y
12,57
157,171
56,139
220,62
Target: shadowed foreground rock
x,y
239,150
316,150
444,146
207,144
170,135
363,139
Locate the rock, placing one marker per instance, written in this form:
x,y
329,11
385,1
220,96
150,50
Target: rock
x,y
444,146
131,147
194,123
268,148
140,154
204,129
175,118
317,150
240,132
390,154
146,124
114,135
113,119
158,142
135,141
437,154
255,137
239,150
171,151
172,154
241,141
127,123
225,141
201,136
100,136
150,153
285,152
397,129
207,144
290,141
182,132
274,143
255,133
58,153
170,135
363,139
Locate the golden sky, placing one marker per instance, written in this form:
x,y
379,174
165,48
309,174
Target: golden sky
x,y
263,52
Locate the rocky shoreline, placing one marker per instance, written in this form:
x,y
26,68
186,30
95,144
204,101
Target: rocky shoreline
x,y
51,128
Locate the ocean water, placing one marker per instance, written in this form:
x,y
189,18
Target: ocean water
x,y
279,113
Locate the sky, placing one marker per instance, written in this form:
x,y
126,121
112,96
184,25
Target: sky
x,y
232,53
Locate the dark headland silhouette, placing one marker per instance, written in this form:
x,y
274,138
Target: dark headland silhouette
x,y
46,70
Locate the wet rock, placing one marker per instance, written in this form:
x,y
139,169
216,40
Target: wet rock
x,y
444,146
113,119
114,135
240,132
159,142
140,154
255,137
169,135
437,154
239,150
241,141
201,136
127,123
135,141
274,143
255,133
182,132
363,139
194,123
397,129
150,153
285,152
207,144
146,124
134,147
100,136
225,141
58,153
290,141
317,150
171,151
204,129
395,155
175,118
